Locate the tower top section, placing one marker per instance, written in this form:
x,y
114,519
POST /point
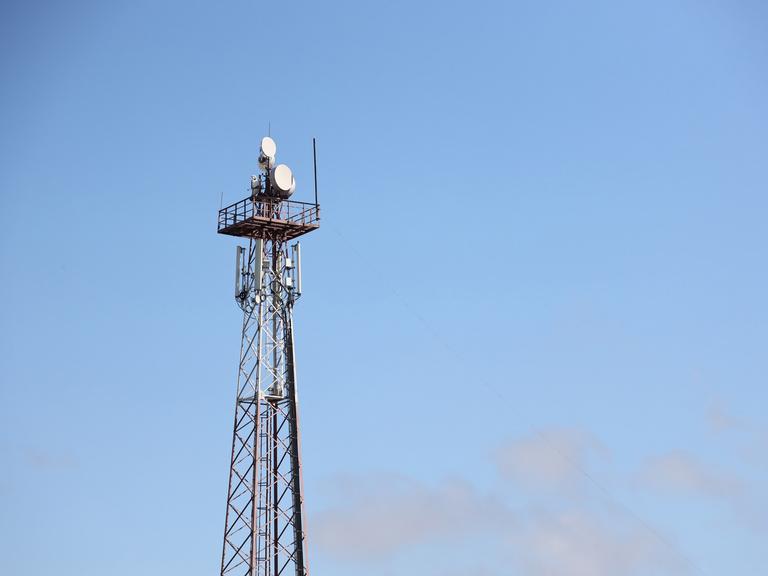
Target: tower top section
x,y
268,213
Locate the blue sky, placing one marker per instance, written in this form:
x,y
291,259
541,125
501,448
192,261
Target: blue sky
x,y
533,335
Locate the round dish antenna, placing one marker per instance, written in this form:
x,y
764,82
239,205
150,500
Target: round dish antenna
x,y
283,182
267,152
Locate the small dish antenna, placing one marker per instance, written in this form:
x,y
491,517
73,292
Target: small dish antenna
x,y
283,182
267,152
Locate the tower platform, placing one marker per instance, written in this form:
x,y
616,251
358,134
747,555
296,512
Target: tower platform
x,y
258,217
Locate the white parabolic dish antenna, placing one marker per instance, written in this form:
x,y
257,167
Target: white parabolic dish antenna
x,y
268,147
283,182
267,152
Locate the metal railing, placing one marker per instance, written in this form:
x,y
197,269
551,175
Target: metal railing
x,y
302,213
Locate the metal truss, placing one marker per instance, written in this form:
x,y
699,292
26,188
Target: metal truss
x,y
264,534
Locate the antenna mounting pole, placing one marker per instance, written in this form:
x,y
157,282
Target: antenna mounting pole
x,y
314,163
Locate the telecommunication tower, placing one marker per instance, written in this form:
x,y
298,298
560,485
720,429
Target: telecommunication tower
x,y
264,532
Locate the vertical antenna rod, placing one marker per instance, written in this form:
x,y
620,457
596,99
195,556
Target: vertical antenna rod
x,y
314,161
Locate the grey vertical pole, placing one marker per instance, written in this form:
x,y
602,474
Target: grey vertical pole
x,y
238,270
314,165
258,264
298,268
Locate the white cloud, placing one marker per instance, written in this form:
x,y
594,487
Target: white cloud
x,y
552,460
382,515
588,543
681,472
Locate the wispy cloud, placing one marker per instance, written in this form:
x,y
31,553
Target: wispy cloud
x,y
377,516
681,472
590,542
553,459
548,532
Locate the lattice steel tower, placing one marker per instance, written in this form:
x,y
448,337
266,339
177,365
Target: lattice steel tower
x,y
264,531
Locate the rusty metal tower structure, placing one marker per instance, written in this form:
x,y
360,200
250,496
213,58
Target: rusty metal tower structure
x,y
264,533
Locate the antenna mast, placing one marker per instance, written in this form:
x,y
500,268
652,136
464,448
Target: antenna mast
x,y
264,531
314,166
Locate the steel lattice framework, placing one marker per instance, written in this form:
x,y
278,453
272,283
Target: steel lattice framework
x,y
264,531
